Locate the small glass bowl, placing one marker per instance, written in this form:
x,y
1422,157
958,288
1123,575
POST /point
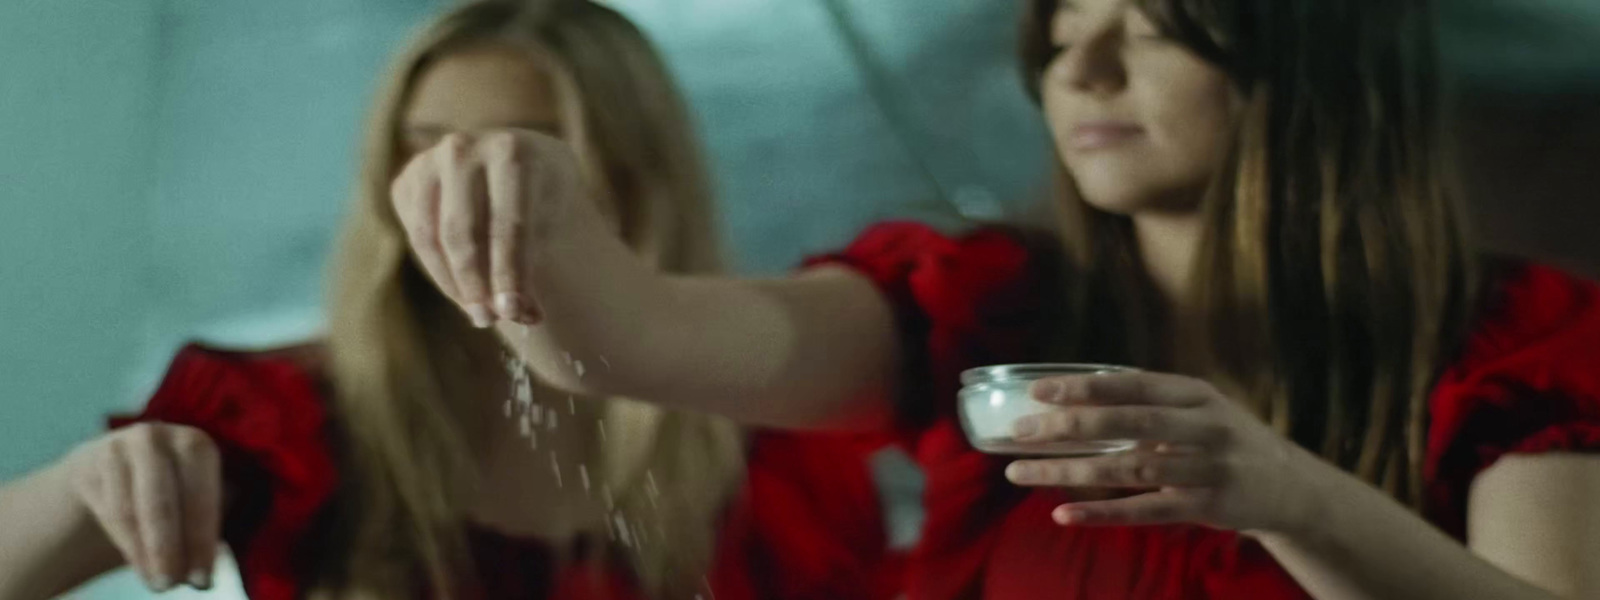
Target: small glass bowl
x,y
995,397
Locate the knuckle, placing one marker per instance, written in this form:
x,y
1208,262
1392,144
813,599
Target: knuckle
x,y
1104,473
462,256
192,443
423,231
163,510
503,146
1135,469
1202,391
1087,387
503,232
1067,473
1140,387
1149,420
455,146
142,434
122,514
456,235
1070,423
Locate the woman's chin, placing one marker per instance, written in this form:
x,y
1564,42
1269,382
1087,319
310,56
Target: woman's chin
x,y
1125,202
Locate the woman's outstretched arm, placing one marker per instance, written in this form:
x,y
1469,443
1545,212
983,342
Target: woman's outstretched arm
x,y
506,228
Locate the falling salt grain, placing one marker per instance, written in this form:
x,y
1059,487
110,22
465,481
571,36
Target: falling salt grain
x,y
508,409
533,440
601,425
526,425
567,356
650,477
536,413
605,362
622,530
556,466
578,366
605,492
524,391
583,471
572,406
552,420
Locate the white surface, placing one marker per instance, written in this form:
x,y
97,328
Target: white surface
x,y
123,584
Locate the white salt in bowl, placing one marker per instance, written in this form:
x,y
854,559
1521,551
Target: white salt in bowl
x,y
993,398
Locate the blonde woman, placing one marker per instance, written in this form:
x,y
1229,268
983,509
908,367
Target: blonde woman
x,y
381,462
1340,397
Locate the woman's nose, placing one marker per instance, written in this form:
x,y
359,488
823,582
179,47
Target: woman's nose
x,y
1094,65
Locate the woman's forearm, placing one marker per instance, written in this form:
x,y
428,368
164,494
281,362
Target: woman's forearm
x,y
51,542
1358,543
815,350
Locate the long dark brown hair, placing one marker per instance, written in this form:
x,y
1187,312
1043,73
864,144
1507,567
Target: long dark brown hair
x,y
1335,273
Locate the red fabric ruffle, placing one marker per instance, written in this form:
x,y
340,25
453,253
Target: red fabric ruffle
x,y
265,415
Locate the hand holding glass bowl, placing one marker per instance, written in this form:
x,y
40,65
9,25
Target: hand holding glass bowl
x,y
1175,448
995,397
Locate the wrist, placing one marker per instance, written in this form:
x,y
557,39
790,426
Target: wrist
x,y
1312,507
59,481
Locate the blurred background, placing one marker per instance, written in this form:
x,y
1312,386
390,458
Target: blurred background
x,y
175,169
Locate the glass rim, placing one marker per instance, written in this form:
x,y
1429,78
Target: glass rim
x,y
1031,371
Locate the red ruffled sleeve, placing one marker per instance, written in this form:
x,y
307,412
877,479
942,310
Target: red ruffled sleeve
x,y
1527,381
960,302
265,412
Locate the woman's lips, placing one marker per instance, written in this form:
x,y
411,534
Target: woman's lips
x,y
1095,135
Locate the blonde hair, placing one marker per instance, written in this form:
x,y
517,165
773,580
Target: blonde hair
x,y
408,452
1336,274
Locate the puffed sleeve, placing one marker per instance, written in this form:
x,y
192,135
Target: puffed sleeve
x,y
1527,381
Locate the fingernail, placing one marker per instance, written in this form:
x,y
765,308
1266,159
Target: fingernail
x,y
1018,472
160,583
1066,516
507,305
200,579
479,314
1024,428
1047,390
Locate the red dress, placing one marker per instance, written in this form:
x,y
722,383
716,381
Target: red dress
x,y
807,524
1528,380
